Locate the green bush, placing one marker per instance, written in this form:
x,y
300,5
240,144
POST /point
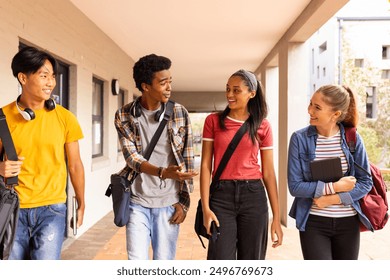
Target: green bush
x,y
371,143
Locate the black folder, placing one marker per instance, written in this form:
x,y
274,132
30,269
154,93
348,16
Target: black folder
x,y
326,170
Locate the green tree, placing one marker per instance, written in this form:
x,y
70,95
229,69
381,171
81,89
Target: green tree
x,y
375,132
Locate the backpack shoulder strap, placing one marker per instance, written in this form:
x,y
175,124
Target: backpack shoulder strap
x,y
350,136
8,145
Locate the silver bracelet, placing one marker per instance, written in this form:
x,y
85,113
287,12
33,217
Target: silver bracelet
x,y
185,208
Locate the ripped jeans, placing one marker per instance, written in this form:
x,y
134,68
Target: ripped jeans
x,y
40,233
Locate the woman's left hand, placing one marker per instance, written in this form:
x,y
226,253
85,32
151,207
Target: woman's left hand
x,y
276,234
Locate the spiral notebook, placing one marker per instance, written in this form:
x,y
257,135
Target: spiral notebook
x,y
326,170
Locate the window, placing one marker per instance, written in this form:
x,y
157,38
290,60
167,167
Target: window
x,y
97,117
386,74
324,72
121,103
312,61
371,110
359,62
322,48
385,52
60,93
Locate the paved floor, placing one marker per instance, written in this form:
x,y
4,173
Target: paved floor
x,y
105,241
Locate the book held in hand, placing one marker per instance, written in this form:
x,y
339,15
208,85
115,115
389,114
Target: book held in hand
x,y
326,170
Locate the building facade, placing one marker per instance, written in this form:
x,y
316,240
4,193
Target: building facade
x,y
89,62
355,51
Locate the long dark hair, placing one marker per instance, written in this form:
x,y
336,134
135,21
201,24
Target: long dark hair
x,y
257,108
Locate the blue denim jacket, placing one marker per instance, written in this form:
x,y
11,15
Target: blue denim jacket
x,y
301,151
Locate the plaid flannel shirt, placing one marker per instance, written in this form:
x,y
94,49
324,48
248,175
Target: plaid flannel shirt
x,y
180,138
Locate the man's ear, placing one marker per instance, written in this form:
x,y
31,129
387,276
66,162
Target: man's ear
x,y
145,87
22,78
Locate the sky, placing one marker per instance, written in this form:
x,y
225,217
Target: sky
x,y
366,8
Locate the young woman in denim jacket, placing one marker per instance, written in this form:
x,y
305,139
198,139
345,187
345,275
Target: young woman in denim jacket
x,y
328,214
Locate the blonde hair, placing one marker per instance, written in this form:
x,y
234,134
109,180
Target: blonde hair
x,y
341,98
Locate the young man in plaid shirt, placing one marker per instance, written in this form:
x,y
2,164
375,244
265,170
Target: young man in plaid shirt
x,y
160,194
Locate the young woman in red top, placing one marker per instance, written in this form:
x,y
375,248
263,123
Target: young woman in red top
x,y
239,205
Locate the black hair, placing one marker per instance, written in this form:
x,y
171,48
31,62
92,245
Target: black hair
x,y
257,109
29,60
145,68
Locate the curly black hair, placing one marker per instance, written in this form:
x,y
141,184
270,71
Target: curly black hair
x,y
145,68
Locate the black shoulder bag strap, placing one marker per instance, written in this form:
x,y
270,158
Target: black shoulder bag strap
x,y
225,158
228,153
157,134
167,115
8,146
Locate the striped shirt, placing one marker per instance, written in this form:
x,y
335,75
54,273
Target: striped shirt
x,y
330,147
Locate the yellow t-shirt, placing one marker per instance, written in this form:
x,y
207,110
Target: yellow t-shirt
x,y
41,141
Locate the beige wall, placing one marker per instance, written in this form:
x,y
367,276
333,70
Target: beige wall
x,y
58,27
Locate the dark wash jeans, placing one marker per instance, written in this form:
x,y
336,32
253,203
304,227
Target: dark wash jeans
x,y
331,238
242,210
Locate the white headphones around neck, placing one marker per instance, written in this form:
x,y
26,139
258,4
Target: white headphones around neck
x,y
28,114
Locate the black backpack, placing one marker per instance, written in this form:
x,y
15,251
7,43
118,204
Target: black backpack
x,y
9,213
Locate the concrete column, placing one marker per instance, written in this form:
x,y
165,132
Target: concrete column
x,y
293,92
271,88
270,83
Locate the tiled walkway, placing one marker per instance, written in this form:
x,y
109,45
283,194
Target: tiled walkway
x,y
105,241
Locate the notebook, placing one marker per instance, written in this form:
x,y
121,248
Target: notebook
x,y
326,170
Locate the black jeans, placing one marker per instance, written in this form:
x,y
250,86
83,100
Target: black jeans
x,y
242,210
331,238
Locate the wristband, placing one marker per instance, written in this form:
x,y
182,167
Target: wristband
x,y
160,175
160,172
185,209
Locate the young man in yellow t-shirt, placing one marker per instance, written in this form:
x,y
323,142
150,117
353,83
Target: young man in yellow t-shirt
x,y
46,137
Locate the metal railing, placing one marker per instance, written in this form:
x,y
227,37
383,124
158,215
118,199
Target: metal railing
x,y
385,171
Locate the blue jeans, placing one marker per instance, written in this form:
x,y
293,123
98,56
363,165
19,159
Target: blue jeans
x,y
331,238
40,233
150,226
241,207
